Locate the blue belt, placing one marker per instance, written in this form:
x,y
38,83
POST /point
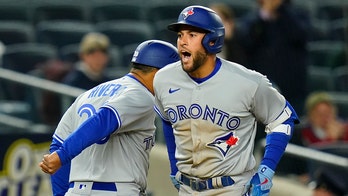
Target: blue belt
x,y
101,186
201,185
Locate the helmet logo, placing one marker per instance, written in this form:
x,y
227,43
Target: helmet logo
x,y
135,55
188,13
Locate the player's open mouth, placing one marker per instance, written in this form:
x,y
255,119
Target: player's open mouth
x,y
185,56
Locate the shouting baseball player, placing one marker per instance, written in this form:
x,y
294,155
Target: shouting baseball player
x,y
108,132
210,108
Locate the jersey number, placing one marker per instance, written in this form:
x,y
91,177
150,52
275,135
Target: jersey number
x,y
89,110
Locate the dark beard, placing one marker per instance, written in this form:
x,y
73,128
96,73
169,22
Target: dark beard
x,y
198,61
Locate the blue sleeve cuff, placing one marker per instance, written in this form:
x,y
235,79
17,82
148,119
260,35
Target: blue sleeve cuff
x,y
60,179
265,170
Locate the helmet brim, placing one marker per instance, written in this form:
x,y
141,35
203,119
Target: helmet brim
x,y
176,27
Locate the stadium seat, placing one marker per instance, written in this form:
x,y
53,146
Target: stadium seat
x,y
340,78
326,53
309,6
338,30
62,33
59,10
165,11
330,10
116,57
24,58
15,11
319,79
124,32
320,30
162,33
69,53
13,32
105,11
116,68
127,52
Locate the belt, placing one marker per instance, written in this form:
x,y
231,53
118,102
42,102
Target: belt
x,y
197,184
101,186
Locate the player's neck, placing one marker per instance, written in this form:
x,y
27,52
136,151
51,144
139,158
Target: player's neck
x,y
206,68
145,79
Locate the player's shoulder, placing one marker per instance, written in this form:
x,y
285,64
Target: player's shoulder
x,y
170,67
169,70
241,70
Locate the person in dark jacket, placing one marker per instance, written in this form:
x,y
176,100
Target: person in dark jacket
x,y
232,50
90,70
275,40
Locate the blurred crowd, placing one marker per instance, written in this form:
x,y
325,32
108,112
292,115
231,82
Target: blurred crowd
x,y
300,45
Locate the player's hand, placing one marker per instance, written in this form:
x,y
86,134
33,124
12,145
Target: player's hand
x,y
175,182
261,182
50,163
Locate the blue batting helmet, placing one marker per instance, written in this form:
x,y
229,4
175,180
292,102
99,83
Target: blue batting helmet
x,y
155,53
206,19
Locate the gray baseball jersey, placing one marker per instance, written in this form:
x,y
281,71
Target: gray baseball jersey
x,y
124,156
214,122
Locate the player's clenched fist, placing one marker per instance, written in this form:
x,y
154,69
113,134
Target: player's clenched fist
x,y
50,163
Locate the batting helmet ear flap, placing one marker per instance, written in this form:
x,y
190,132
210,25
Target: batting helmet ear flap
x,y
217,41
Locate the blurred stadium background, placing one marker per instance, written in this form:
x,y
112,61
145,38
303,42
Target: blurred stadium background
x,y
34,32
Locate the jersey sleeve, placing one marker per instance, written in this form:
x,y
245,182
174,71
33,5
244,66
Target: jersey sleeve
x,y
268,103
60,179
65,126
268,106
133,109
171,146
94,129
158,105
159,110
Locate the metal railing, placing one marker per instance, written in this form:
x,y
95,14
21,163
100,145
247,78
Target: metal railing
x,y
66,92
307,153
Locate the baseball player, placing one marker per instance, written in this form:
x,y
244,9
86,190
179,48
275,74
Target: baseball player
x,y
108,132
210,108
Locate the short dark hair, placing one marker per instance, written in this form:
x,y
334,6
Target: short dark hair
x,y
143,68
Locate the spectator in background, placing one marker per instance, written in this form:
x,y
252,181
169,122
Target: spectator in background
x,y
89,71
330,182
275,41
323,124
45,103
232,49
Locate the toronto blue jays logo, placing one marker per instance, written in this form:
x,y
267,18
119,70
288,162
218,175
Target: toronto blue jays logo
x,y
188,13
224,143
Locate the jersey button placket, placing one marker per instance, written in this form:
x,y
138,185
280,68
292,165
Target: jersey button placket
x,y
195,133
